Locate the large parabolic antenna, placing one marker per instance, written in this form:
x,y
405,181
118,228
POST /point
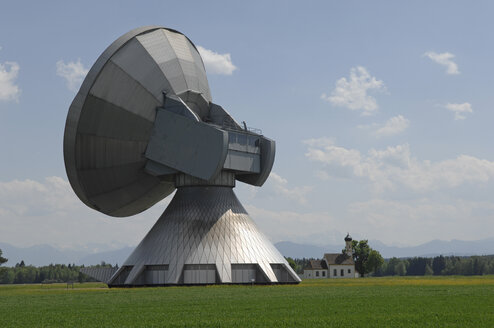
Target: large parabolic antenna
x,y
142,125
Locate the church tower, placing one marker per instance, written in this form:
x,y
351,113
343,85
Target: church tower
x,y
348,245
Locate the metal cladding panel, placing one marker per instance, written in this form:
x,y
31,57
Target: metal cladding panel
x,y
134,273
136,61
196,102
99,273
119,277
143,201
200,73
189,69
103,119
154,275
244,273
135,196
116,87
107,152
158,46
281,272
105,180
207,226
178,59
220,116
179,44
240,161
268,150
174,74
188,146
199,274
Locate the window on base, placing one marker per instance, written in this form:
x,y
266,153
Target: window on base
x,y
317,273
342,272
335,273
324,273
349,270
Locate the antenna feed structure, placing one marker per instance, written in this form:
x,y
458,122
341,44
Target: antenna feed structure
x,y
143,125
198,138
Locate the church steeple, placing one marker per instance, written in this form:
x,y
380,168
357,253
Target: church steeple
x,y
348,245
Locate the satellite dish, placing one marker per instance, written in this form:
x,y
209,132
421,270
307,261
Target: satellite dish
x,y
142,124
111,119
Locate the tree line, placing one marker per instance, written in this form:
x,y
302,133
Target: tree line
x,y
416,266
53,273
439,265
423,266
369,262
28,274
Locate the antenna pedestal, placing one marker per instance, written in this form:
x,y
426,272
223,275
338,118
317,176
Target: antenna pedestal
x,y
205,236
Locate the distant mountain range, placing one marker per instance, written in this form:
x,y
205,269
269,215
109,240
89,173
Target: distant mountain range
x,y
45,254
430,249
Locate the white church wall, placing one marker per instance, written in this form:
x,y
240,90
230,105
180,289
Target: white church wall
x,y
315,274
341,271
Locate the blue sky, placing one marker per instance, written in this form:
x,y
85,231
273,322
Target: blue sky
x,y
382,113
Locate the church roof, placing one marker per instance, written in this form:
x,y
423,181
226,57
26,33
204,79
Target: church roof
x,y
317,265
338,258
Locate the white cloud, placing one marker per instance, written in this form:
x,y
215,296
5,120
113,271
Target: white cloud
x,y
73,72
217,63
395,166
9,90
325,151
393,126
48,212
459,110
415,221
353,93
281,187
405,222
41,198
444,59
282,225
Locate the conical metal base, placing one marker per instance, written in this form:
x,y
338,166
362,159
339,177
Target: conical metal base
x,y
205,236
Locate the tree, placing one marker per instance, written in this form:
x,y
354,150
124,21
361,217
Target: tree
x,y
80,277
375,261
366,259
2,259
428,270
401,269
6,276
292,263
438,264
416,266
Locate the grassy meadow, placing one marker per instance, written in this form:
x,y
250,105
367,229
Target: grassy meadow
x,y
365,302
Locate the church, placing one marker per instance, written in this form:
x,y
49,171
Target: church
x,y
333,265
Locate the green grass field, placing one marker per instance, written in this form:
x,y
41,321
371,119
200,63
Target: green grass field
x,y
368,302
